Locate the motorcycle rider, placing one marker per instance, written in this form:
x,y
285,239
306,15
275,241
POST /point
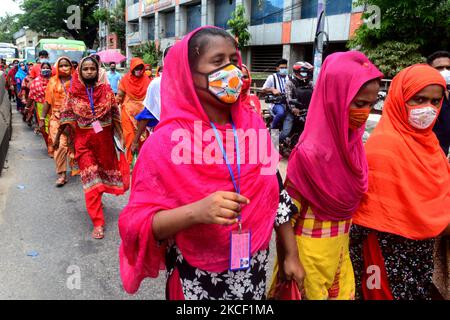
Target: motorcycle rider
x,y
276,85
299,89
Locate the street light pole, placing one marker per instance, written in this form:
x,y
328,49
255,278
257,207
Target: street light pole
x,y
318,41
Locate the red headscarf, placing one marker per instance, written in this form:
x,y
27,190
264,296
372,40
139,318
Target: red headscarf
x,y
135,87
160,184
78,93
409,175
328,167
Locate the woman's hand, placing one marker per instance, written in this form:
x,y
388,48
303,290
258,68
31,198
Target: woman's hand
x,y
56,143
41,124
293,270
220,207
134,147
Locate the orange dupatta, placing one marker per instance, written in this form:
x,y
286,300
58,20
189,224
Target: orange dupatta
x,y
409,175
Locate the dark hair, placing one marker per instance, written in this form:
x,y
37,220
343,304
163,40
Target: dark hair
x,y
280,62
166,51
437,55
74,62
14,61
96,56
201,39
92,59
43,53
64,58
46,64
112,62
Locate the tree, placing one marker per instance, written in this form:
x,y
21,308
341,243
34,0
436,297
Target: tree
x,y
422,22
149,52
392,56
115,20
239,26
47,17
8,26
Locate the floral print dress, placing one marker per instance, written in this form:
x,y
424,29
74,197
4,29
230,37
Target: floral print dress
x,y
247,284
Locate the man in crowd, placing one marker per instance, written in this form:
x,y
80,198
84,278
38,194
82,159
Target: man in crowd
x,y
440,60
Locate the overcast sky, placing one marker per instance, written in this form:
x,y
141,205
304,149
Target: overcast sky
x,y
9,6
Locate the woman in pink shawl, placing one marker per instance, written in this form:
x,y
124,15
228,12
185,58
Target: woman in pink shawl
x,y
327,172
185,212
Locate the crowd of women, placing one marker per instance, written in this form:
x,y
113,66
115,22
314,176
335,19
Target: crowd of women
x,y
351,220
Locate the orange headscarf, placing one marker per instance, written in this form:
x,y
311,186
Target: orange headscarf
x,y
133,86
409,175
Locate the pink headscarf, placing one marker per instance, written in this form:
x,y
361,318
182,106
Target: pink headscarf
x,y
328,167
159,184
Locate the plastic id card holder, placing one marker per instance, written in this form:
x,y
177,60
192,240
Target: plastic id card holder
x,y
240,250
97,126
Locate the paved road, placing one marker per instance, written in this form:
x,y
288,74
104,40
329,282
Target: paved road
x,y
36,217
53,222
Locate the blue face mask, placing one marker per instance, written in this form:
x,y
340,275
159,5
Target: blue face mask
x,y
283,72
46,73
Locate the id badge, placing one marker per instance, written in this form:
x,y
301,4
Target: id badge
x,y
240,250
97,126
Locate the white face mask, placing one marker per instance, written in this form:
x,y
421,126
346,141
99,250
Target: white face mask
x,y
446,75
422,117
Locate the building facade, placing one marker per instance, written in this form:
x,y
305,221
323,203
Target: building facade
x,y
25,38
279,28
107,39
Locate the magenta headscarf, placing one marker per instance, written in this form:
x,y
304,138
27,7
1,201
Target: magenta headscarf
x,y
160,184
328,167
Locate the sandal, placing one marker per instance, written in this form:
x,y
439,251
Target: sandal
x,y
98,232
61,181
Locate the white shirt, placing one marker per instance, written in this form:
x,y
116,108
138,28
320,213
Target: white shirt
x,y
152,100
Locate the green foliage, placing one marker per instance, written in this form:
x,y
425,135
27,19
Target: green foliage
x,y
102,15
239,26
422,22
8,26
117,22
47,17
149,52
392,56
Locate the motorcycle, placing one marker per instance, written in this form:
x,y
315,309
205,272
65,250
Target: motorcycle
x,y
290,142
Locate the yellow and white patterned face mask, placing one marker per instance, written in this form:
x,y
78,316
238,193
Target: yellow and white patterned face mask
x,y
225,83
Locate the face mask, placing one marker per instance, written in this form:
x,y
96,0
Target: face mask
x,y
225,83
46,73
422,117
283,72
148,73
358,117
138,73
446,75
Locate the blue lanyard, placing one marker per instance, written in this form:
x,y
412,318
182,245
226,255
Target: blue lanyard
x,y
237,186
90,93
64,86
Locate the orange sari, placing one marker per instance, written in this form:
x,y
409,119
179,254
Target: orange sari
x,y
135,89
409,174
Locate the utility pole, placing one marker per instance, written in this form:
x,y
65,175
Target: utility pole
x,y
318,40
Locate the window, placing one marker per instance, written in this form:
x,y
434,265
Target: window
x,y
170,24
266,11
338,7
333,7
222,12
309,9
151,29
194,17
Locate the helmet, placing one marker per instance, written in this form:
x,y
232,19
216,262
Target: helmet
x,y
303,70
